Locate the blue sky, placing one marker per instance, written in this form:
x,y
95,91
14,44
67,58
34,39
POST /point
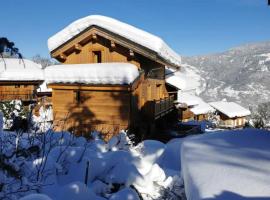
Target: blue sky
x,y
190,27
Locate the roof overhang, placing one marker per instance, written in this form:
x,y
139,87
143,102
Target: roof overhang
x,y
87,35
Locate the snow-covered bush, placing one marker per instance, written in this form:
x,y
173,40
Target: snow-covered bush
x,y
261,116
11,110
44,120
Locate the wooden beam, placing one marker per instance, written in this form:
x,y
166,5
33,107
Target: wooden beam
x,y
112,44
78,47
62,56
94,36
131,53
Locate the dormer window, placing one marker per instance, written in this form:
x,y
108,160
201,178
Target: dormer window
x,y
97,56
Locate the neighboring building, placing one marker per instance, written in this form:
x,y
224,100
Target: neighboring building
x,y
231,115
109,97
192,107
19,79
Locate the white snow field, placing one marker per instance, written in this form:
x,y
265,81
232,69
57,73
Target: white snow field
x,y
13,69
132,33
101,73
227,165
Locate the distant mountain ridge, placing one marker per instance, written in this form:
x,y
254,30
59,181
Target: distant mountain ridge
x,y
241,74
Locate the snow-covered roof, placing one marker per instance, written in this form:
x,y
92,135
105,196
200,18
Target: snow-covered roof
x,y
127,31
230,109
177,81
100,73
186,79
186,98
13,69
199,106
202,108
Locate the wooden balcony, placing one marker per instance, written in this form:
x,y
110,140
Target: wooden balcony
x,y
158,108
8,96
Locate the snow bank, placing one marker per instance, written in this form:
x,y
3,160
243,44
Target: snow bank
x,y
132,33
13,69
230,109
227,165
127,194
101,73
77,190
36,197
170,159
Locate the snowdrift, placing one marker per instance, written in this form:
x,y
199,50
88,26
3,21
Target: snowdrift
x,y
227,165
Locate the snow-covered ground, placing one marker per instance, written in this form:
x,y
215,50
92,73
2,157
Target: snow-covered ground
x,y
55,165
227,165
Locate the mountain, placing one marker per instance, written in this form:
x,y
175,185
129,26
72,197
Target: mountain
x,y
241,74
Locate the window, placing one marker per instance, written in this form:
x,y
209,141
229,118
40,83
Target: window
x,y
78,96
17,86
156,73
97,56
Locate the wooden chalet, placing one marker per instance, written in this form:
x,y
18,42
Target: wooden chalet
x,y
231,115
19,79
100,42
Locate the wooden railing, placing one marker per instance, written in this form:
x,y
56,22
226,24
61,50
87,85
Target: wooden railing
x,y
158,108
163,106
6,96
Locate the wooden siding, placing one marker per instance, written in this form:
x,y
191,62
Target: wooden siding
x,y
16,90
94,110
227,122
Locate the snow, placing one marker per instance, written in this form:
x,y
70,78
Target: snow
x,y
77,190
230,109
13,69
227,165
36,197
43,87
127,31
143,169
197,104
101,73
45,118
170,159
188,99
267,55
127,194
186,79
202,108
